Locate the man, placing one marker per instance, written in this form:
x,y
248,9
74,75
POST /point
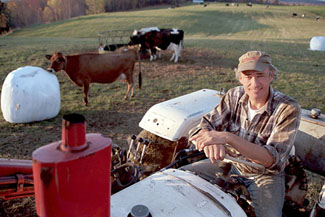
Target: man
x,y
259,124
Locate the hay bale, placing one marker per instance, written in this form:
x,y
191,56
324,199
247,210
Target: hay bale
x,y
30,94
317,43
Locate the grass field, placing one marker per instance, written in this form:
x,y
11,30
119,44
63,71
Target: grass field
x,y
215,37
217,33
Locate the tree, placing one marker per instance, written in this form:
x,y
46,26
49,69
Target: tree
x,y
16,13
95,6
78,8
4,18
35,15
48,14
25,12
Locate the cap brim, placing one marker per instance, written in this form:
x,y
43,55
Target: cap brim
x,y
252,66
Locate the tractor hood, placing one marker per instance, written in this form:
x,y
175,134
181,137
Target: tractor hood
x,y
174,118
175,192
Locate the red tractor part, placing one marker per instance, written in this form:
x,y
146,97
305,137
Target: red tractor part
x,y
72,176
16,179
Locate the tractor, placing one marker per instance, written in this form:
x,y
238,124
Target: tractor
x,y
88,175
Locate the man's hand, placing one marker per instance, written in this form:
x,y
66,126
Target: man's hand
x,y
206,138
211,142
215,152
216,139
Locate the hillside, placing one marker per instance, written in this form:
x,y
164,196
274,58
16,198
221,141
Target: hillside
x,y
316,2
214,39
215,36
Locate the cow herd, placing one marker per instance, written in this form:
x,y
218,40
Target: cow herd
x,y
117,61
155,39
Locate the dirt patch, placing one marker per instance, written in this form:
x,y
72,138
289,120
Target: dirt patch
x,y
22,142
18,208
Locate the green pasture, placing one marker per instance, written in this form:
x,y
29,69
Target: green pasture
x,y
224,32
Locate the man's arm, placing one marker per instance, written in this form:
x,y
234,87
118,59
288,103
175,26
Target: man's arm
x,y
212,143
272,155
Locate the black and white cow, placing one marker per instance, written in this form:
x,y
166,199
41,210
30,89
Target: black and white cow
x,y
111,47
155,39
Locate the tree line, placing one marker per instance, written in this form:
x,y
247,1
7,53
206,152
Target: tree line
x,y
21,13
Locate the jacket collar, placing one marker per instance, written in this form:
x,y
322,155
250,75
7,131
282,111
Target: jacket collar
x,y
244,101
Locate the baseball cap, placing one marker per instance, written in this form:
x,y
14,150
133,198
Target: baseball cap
x,y
255,60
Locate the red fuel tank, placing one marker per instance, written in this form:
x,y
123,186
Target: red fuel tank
x,y
72,176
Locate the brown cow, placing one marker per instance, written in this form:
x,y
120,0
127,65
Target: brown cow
x,y
87,68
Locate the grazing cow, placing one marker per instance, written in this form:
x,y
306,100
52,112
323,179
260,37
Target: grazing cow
x,y
111,47
294,14
87,68
154,38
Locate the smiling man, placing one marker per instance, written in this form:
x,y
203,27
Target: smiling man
x,y
256,123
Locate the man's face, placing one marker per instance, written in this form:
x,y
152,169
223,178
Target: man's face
x,y
256,84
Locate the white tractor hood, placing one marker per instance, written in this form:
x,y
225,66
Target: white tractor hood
x,y
175,193
174,118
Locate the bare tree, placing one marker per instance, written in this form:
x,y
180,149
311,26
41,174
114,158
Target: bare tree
x,y
95,6
4,18
27,12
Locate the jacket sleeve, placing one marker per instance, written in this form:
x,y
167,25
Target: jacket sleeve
x,y
283,135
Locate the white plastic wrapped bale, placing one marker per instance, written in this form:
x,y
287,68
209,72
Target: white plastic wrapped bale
x,y
317,43
30,94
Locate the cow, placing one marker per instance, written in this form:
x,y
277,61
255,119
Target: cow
x,y
111,47
155,39
137,38
86,68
